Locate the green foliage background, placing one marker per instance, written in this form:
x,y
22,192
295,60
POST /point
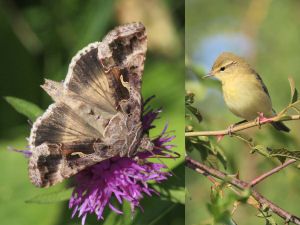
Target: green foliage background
x,y
274,51
37,41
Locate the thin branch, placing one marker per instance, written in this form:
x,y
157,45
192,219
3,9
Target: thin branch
x,y
269,173
291,105
211,178
242,126
195,165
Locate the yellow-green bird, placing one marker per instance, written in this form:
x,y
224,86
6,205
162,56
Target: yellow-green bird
x,y
243,89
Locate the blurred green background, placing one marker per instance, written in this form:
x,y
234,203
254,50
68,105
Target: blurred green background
x,y
267,34
37,41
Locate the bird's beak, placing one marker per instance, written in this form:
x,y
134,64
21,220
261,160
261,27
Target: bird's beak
x,y
210,74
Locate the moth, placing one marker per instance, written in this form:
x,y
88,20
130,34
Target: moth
x,y
96,112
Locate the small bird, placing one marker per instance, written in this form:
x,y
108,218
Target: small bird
x,y
243,89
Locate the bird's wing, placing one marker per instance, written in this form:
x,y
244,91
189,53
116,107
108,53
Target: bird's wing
x,y
262,83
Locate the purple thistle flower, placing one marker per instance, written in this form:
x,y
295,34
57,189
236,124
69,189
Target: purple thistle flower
x,y
122,178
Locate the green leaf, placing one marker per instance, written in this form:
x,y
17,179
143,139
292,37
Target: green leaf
x,y
260,215
114,218
28,109
282,152
262,150
173,195
220,205
294,92
265,208
279,153
270,221
211,154
189,100
212,161
244,196
155,211
195,112
52,197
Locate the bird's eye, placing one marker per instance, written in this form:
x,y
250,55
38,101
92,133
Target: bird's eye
x,y
222,68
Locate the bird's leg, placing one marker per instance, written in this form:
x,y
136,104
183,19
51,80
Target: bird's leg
x,y
259,119
230,128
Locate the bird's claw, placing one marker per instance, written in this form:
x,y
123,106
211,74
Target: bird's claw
x,y
257,122
230,128
259,119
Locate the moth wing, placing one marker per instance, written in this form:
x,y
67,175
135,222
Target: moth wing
x,y
122,55
53,157
50,164
88,80
105,72
124,49
83,107
60,124
103,78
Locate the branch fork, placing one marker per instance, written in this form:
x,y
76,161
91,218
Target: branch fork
x,y
242,185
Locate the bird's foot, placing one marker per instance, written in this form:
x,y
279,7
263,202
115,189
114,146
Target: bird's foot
x,y
258,122
261,119
230,128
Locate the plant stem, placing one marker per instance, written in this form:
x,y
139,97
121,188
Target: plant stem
x,y
269,173
196,166
240,127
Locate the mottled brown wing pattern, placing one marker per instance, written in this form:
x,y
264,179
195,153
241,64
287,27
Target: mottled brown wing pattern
x,y
124,48
122,54
50,137
97,110
60,124
52,163
88,80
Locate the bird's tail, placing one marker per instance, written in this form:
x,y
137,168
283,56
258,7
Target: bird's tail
x,y
280,126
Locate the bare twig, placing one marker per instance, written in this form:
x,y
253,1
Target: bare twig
x,y
269,173
242,126
211,178
195,165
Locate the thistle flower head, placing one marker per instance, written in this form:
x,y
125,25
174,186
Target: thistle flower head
x,y
121,178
